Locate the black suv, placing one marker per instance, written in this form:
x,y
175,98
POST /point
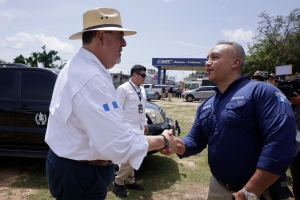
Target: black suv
x,y
25,95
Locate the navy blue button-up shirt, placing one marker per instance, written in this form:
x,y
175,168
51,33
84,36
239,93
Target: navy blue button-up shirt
x,y
250,125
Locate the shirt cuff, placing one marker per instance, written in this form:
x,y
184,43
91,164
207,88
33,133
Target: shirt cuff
x,y
271,165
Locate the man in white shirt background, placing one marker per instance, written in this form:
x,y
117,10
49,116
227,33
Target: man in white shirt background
x,y
86,131
132,97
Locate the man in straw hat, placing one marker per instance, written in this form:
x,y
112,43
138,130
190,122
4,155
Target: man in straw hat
x,y
86,130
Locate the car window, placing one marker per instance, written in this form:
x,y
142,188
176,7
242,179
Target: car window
x,y
37,86
202,89
157,86
146,86
7,85
209,88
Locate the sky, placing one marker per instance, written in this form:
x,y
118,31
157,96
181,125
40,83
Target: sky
x,y
165,28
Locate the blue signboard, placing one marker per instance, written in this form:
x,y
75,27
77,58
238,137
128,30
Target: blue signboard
x,y
179,61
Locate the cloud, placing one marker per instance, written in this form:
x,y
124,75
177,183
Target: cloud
x,y
6,14
167,1
238,35
50,42
187,44
223,7
2,43
2,1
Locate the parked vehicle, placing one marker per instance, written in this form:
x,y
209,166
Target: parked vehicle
x,y
198,93
157,88
190,85
151,95
25,95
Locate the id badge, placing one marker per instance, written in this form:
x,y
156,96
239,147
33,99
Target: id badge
x,y
140,108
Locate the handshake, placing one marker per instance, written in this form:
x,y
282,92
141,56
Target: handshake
x,y
166,143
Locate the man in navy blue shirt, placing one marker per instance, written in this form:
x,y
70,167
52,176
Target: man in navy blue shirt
x,y
249,128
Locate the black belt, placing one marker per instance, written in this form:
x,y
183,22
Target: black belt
x,y
97,162
231,187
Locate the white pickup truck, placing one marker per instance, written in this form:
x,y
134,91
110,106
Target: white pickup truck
x,y
155,88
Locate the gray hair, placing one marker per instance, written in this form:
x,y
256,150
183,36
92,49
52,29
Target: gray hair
x,y
238,51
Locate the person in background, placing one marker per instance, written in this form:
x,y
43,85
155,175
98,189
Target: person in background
x,y
179,92
163,92
257,77
295,166
132,98
170,92
273,79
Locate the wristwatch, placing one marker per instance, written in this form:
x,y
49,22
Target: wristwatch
x,y
249,195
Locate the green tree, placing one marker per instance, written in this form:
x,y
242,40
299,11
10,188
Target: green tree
x,y
20,59
277,43
46,58
2,61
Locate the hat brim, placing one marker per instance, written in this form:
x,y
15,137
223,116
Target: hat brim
x,y
78,35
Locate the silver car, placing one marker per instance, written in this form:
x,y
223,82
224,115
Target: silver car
x,y
199,93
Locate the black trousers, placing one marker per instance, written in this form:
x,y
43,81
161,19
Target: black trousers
x,y
69,179
295,170
179,95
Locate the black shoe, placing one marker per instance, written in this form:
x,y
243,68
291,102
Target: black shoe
x,y
119,189
134,186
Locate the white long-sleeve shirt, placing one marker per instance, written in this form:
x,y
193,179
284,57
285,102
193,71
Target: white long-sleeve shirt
x,y
86,121
129,101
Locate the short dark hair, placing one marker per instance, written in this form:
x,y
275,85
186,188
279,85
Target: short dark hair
x,y
238,51
88,36
137,69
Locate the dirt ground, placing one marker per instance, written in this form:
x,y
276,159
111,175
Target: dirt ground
x,y
7,177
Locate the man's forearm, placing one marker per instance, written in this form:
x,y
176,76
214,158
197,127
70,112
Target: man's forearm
x,y
180,147
260,181
155,142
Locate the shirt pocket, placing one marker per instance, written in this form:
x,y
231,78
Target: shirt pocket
x,y
233,112
206,121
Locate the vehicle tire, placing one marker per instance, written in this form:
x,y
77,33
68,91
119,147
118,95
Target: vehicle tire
x,y
148,99
189,98
174,94
157,96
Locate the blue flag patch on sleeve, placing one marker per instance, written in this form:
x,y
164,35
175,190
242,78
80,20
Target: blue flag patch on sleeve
x,y
115,105
110,106
105,106
281,97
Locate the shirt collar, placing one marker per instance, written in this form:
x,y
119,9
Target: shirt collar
x,y
241,78
85,53
133,84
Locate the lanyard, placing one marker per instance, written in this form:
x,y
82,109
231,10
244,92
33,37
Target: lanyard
x,y
138,93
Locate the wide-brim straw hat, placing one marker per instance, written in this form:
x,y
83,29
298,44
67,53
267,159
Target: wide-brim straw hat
x,y
106,19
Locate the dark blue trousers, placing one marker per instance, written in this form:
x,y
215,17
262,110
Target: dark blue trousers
x,y
72,180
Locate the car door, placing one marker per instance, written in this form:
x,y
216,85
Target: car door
x,y
200,93
34,98
8,95
209,91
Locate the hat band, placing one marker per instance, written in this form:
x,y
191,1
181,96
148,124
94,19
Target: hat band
x,y
102,26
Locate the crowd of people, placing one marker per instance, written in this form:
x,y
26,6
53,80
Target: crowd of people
x,y
248,127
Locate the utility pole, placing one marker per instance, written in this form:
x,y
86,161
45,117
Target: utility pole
x,y
61,60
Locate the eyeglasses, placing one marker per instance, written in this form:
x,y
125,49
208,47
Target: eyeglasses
x,y
142,75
